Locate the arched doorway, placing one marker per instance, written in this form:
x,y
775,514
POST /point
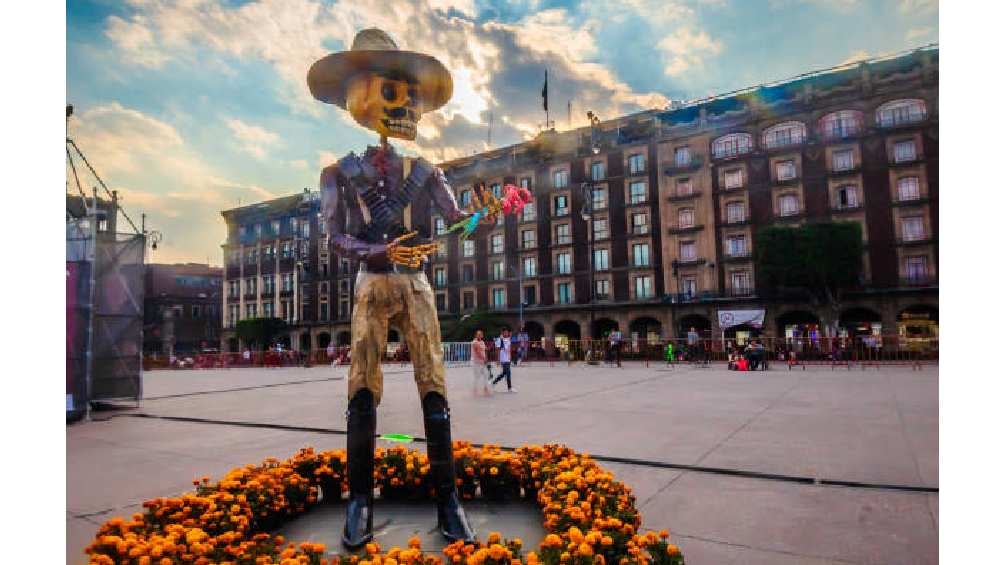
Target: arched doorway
x,y
796,324
700,324
343,339
323,340
233,345
566,331
534,330
603,326
646,329
858,323
305,341
917,326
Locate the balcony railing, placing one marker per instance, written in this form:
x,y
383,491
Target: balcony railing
x,y
679,168
563,240
910,201
917,239
737,255
736,221
906,160
640,230
841,208
853,169
841,131
918,280
685,229
678,197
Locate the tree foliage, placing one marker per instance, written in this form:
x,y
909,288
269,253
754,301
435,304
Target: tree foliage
x,y
260,332
463,328
822,259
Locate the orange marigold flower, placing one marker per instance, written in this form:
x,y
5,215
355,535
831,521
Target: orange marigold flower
x,y
672,549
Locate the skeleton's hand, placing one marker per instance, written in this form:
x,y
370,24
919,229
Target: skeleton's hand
x,y
409,256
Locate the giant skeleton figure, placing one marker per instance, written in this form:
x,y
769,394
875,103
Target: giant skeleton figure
x,y
366,208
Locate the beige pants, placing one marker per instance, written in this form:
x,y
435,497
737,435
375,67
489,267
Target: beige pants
x,y
406,302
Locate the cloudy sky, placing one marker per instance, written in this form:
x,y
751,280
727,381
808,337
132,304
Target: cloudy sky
x,y
193,106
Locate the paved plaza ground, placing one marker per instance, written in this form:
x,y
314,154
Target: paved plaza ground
x,y
877,426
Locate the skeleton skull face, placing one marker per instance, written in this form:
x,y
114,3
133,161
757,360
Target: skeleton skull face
x,y
385,105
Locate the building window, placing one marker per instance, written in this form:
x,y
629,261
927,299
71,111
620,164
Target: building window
x,y
468,273
287,282
732,144
601,259
324,311
251,310
681,156
252,255
465,198
639,224
639,254
688,251
598,170
439,277
564,263
784,134
643,287
684,187
442,251
235,288
440,225
689,286
847,196
529,266
468,248
904,151
899,112
562,234
787,204
441,301
250,286
560,178
287,250
916,268
735,212
785,170
561,205
600,229
242,231
564,293
733,178
735,246
636,163
908,188
497,242
195,311
528,239
602,289
524,182
468,300
843,160
268,310
529,212
233,314
638,193
498,298
529,295
268,284
913,228
741,282
842,124
276,227
685,218
599,198
287,310
498,271
258,229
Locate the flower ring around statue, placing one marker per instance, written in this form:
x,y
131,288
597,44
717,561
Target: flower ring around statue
x,y
486,208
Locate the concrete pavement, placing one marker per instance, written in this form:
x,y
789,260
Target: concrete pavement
x,y
873,426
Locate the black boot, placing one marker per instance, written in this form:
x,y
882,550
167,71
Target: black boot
x,y
360,444
452,520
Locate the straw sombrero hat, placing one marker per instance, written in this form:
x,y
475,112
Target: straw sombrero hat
x,y
373,51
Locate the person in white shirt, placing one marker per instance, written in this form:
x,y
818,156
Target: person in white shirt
x,y
504,345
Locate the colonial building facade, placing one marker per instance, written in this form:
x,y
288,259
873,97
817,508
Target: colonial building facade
x,y
648,222
182,308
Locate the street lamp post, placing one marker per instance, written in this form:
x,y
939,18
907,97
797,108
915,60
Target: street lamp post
x,y
588,189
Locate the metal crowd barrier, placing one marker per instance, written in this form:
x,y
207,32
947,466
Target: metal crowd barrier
x,y
790,352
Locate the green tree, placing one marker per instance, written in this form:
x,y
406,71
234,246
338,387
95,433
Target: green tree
x,y
259,332
463,328
822,260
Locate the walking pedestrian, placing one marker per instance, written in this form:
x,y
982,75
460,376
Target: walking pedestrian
x,y
479,364
524,344
615,345
503,344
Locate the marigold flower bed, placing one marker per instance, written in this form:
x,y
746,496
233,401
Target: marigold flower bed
x,y
590,517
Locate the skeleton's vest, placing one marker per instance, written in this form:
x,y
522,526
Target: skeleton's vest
x,y
386,211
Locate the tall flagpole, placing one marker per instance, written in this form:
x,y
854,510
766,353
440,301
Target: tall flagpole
x,y
547,114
